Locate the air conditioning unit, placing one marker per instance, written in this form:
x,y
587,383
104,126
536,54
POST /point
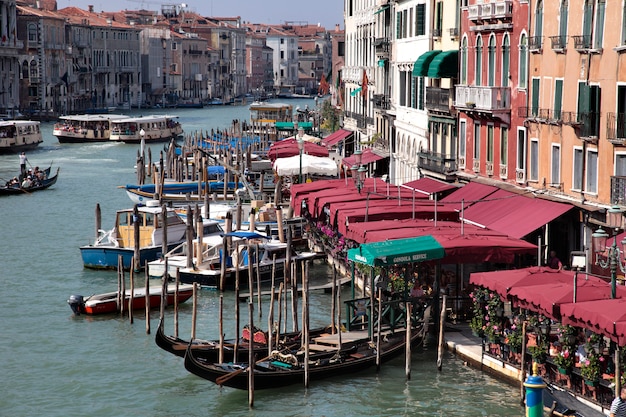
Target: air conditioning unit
x,y
489,168
520,176
476,166
504,171
461,162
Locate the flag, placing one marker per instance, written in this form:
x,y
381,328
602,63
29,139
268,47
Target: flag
x,y
324,86
364,84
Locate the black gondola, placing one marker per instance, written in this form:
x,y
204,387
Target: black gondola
x,y
42,185
283,369
208,350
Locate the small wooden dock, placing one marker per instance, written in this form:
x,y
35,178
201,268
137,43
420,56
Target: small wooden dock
x,y
327,287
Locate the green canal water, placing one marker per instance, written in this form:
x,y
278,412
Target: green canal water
x,y
55,364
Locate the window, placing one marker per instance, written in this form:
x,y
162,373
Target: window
x,y
592,172
32,32
523,61
539,22
491,69
587,23
521,149
504,145
479,61
599,31
439,18
506,52
623,22
533,175
476,154
489,143
464,60
589,109
620,165
577,177
535,97
420,19
555,168
563,21
462,127
174,46
558,99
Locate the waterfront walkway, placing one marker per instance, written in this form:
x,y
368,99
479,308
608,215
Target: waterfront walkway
x,y
460,341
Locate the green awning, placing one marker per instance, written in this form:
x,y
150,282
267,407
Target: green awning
x,y
444,65
420,68
382,9
397,251
290,126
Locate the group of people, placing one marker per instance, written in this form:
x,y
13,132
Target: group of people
x,y
28,177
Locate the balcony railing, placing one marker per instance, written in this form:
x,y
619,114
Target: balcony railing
x,y
589,126
436,162
534,43
504,9
616,128
438,98
558,42
381,102
474,12
437,32
618,191
382,47
487,10
582,42
540,115
454,32
483,98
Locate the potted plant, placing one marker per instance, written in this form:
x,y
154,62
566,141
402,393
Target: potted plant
x,y
590,369
477,324
538,353
564,360
514,338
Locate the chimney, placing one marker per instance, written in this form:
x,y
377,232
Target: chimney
x,y
337,27
90,7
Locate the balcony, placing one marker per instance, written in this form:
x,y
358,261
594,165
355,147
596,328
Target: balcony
x,y
504,9
474,12
483,98
537,115
382,102
382,48
618,191
438,99
436,162
582,42
534,43
616,128
559,43
488,11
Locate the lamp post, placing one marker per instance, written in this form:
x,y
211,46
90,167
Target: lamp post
x,y
300,149
614,253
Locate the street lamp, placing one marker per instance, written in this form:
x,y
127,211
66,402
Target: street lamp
x,y
358,157
614,253
300,149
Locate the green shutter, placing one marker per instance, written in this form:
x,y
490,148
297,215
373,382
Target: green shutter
x,y
558,99
599,32
421,19
535,94
583,98
398,23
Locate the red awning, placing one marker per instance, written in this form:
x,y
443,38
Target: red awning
x,y
503,281
300,192
469,194
527,218
336,137
547,298
606,317
430,186
367,157
289,147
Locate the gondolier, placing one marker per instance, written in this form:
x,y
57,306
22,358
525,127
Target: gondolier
x,y
23,160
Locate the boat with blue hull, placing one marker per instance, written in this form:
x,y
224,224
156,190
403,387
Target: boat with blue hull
x,y
120,240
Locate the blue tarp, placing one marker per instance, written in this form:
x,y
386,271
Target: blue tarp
x,y
246,235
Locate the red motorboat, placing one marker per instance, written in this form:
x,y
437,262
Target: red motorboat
x,y
107,303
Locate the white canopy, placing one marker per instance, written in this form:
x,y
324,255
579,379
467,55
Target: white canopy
x,y
319,165
307,138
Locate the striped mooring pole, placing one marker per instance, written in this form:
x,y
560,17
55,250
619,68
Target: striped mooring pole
x,y
534,393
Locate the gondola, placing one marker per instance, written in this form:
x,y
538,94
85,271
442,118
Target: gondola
x,y
42,185
284,368
208,350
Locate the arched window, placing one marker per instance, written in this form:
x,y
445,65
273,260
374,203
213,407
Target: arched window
x,y
506,56
523,60
32,32
464,61
34,72
491,69
25,70
479,61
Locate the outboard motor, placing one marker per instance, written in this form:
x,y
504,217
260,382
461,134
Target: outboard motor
x,y
76,303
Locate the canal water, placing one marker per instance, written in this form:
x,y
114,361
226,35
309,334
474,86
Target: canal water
x,y
56,364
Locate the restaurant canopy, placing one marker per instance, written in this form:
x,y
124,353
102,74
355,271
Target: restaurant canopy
x,y
469,194
400,251
336,137
367,157
289,147
503,281
430,186
306,165
607,317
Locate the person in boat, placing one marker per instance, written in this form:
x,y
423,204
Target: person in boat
x,y
27,183
12,182
23,160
